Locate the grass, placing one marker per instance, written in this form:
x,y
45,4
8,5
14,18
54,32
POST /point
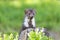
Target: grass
x,y
47,15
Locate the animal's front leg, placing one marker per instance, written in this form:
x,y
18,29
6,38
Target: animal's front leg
x,y
33,22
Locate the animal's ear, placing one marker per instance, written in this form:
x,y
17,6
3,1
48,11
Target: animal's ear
x,y
26,10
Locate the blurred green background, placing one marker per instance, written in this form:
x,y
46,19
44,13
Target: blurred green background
x,y
12,14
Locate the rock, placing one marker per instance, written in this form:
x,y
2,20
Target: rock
x,y
24,34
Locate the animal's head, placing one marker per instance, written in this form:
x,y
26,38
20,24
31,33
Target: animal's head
x,y
30,13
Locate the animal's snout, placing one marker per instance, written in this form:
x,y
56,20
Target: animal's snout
x,y
31,15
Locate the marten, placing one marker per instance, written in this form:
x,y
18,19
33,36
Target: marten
x,y
29,20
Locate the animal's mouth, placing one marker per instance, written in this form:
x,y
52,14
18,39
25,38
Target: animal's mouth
x,y
30,17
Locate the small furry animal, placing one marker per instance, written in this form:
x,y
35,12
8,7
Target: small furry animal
x,y
29,22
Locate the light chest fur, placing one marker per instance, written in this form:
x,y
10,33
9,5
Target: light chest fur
x,y
26,20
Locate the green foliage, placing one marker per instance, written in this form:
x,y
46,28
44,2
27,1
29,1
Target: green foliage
x,y
9,37
32,36
38,36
